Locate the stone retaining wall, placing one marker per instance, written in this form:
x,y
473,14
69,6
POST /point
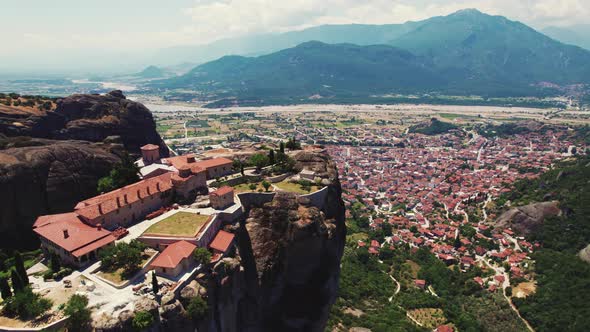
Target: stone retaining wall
x,y
57,326
318,198
255,199
278,178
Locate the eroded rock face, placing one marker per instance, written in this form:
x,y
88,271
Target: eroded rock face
x,y
49,177
527,219
86,117
287,277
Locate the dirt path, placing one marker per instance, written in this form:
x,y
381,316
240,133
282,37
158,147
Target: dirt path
x,y
397,289
515,309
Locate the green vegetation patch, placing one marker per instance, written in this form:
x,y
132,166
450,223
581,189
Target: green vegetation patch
x,y
561,300
435,127
198,124
297,187
180,224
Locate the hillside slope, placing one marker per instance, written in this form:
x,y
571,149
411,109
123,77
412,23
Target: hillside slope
x,y
314,68
359,34
494,49
559,304
464,53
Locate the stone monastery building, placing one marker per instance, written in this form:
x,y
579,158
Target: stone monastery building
x,y
76,236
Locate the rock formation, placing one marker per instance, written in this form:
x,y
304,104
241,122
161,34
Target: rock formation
x,y
285,273
47,160
287,276
47,177
86,117
526,219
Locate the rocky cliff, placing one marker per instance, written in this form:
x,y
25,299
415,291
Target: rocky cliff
x,y
527,219
284,275
47,177
289,261
85,117
53,151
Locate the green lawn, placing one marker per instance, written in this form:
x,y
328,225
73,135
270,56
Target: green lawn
x,y
245,188
295,187
116,276
181,223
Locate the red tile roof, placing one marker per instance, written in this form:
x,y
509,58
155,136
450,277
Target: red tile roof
x,y
222,191
174,254
44,220
197,166
444,328
215,162
94,245
94,207
222,241
79,234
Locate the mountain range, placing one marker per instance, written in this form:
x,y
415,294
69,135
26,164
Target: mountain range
x,y
464,53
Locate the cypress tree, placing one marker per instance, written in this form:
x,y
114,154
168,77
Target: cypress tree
x,y
55,264
20,268
271,156
5,288
155,285
282,147
17,283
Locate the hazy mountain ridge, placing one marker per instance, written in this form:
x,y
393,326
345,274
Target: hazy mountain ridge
x,y
316,68
467,52
256,45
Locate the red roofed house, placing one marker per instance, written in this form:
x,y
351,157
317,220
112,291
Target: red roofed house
x,y
71,239
444,328
127,205
176,258
222,244
216,167
420,283
222,198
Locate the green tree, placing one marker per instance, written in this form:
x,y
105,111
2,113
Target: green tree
x,y
155,285
128,257
17,283
124,173
20,268
108,258
202,256
293,144
259,160
5,288
271,156
266,185
197,308
142,320
252,186
26,305
106,184
282,147
55,263
78,312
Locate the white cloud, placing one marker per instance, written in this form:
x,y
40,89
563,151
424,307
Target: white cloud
x,y
145,29
214,19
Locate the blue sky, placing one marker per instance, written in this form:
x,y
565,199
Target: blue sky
x,y
41,32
